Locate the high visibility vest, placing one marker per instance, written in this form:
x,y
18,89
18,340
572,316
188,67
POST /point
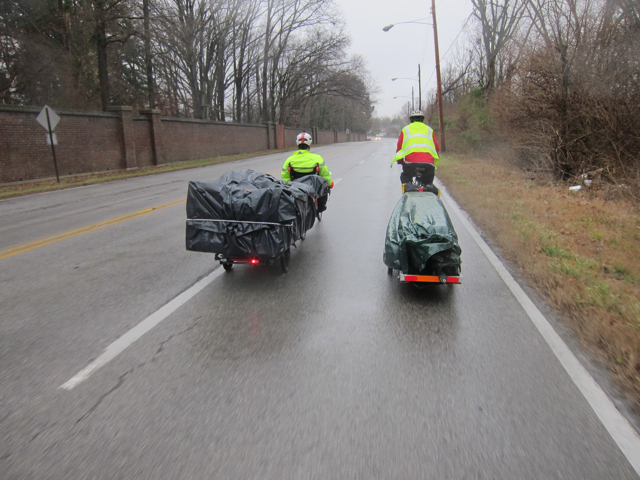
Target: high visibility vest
x,y
417,137
304,159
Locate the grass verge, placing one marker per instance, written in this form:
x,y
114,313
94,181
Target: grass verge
x,y
581,251
9,190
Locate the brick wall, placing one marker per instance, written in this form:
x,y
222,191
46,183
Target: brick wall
x,y
290,135
100,141
186,139
325,137
142,138
320,137
86,143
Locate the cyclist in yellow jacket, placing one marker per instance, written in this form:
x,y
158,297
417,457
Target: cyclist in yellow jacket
x,y
306,162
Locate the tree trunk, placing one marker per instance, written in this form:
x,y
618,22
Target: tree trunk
x,y
238,85
564,114
101,45
147,55
220,80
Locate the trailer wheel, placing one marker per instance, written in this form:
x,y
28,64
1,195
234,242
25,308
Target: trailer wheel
x,y
319,216
284,260
390,271
303,234
227,266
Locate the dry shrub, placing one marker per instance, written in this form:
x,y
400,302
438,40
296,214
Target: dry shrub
x,y
581,251
471,127
572,118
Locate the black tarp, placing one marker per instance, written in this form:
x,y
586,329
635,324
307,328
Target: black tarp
x,y
246,214
321,187
420,238
319,184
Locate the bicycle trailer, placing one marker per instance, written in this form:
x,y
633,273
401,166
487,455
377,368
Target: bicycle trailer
x,y
421,243
248,217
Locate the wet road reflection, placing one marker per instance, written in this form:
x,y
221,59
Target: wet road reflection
x,y
333,370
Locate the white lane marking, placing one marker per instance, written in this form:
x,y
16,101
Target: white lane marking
x,y
361,162
336,181
139,330
616,424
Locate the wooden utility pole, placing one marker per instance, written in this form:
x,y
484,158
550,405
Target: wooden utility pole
x,y
419,90
440,114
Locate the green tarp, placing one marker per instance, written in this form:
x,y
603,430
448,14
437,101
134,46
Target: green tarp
x,y
420,238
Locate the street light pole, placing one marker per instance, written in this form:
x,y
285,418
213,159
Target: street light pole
x,y
419,90
440,114
435,36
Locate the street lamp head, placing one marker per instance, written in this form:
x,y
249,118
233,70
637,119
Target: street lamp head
x,y
389,27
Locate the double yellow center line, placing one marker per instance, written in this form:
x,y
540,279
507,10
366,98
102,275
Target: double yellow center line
x,y
25,247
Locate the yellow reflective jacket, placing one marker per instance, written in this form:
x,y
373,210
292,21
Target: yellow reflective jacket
x,y
417,137
304,159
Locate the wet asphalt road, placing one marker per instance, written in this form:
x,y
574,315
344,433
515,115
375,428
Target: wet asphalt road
x,y
334,370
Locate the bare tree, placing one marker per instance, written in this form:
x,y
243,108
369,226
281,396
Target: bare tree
x,y
499,20
283,19
244,50
148,57
195,39
253,60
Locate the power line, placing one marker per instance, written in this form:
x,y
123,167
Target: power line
x,y
455,39
450,46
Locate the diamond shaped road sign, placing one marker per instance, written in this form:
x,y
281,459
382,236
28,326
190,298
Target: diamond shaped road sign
x,y
53,118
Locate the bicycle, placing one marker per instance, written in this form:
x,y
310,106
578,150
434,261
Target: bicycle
x,y
419,184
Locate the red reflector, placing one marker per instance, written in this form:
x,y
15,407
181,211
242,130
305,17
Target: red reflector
x,y
254,261
453,280
410,278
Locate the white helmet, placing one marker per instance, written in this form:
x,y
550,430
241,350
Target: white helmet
x,y
416,114
305,138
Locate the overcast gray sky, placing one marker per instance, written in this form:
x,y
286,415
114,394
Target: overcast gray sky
x,y
396,53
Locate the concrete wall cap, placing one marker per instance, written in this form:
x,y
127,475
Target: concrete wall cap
x,y
153,111
120,108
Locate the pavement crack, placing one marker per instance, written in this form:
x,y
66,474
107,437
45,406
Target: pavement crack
x,y
40,432
171,337
122,377
105,395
